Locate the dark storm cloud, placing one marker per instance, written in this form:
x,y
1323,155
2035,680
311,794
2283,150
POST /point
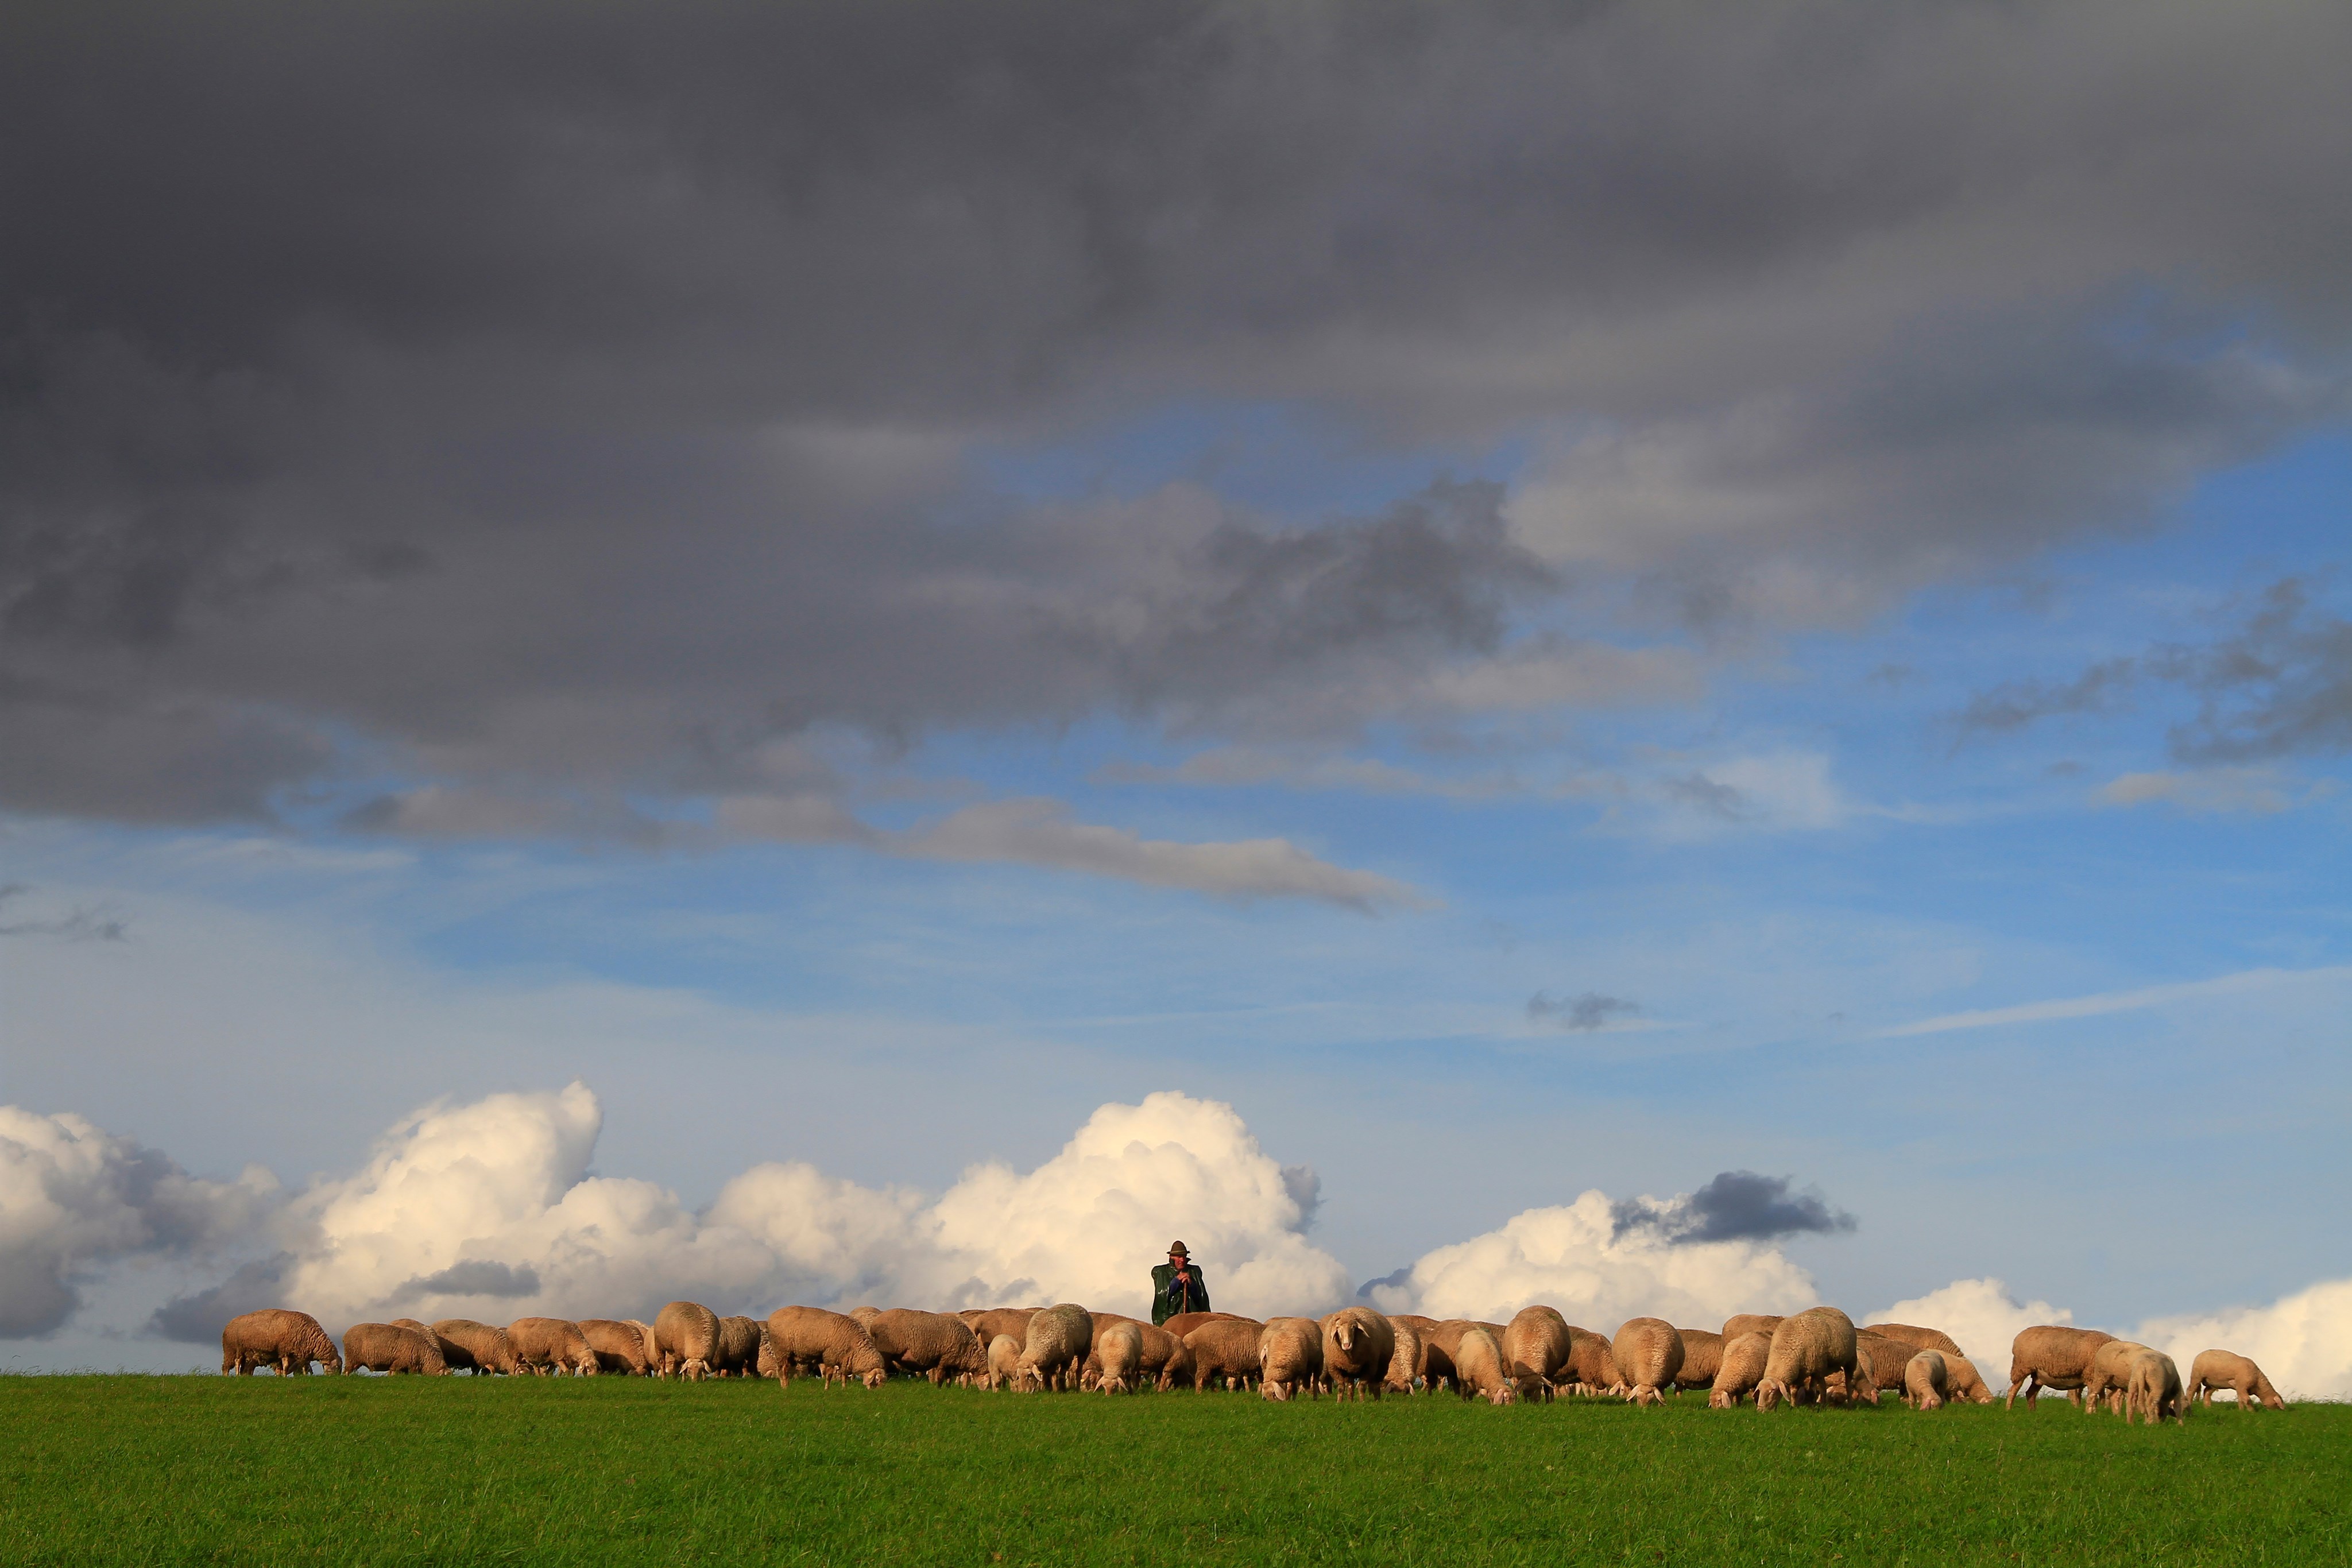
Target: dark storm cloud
x,y
476,1277
198,1317
1735,1206
578,403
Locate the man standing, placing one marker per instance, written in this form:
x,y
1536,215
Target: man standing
x,y
1176,1286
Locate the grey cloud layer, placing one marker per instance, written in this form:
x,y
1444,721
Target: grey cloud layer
x,y
554,405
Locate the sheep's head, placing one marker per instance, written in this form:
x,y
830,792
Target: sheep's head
x,y
1769,1393
1503,1393
1343,1334
875,1378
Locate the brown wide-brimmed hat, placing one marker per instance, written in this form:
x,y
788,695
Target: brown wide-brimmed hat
x,y
1177,1249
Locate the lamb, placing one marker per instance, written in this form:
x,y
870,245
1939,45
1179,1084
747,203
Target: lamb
x,y
1120,1350
550,1347
279,1337
1289,1356
1702,1355
738,1355
1806,1349
1227,1350
2153,1391
1405,1366
933,1344
1003,1362
2049,1357
1749,1322
831,1343
482,1346
1648,1354
393,1347
2218,1369
1927,1380
1357,1347
685,1338
621,1345
2109,1373
1055,1348
1535,1344
1479,1370
1592,1369
1742,1369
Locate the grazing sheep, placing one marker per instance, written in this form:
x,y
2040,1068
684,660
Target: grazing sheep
x,y
1740,1371
1880,1364
1916,1337
1090,1372
2153,1391
550,1347
1592,1369
1226,1348
2049,1357
1404,1373
620,1345
452,1358
1178,1373
2218,1369
985,1326
864,1316
1749,1322
2109,1373
1806,1349
1120,1355
1967,1384
393,1347
482,1346
738,1355
811,1338
1055,1348
1648,1354
1702,1355
1157,1350
767,1366
933,1344
1182,1325
1535,1344
1358,1344
279,1337
1479,1370
1289,1356
1003,1363
1927,1380
685,1336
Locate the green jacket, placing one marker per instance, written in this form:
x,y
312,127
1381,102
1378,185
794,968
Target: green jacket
x,y
1193,1297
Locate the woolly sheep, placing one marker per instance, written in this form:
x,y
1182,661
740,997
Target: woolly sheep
x,y
2049,1356
1702,1355
1479,1370
1225,1349
1183,1323
1157,1352
1405,1366
864,1316
1915,1336
1927,1381
452,1358
1055,1348
933,1344
738,1355
2109,1373
1535,1344
1648,1354
832,1344
1289,1356
2218,1369
620,1344
393,1347
1968,1382
1592,1369
985,1326
1806,1349
686,1335
1880,1364
1358,1344
1090,1372
1749,1322
279,1337
1741,1370
1003,1362
550,1347
482,1346
2153,1391
1120,1353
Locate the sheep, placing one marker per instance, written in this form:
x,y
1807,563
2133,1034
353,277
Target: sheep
x,y
1405,1364
279,1337
1120,1350
1749,1322
1536,1345
1967,1384
1479,1370
2049,1357
1182,1323
1648,1354
1226,1348
1156,1352
1003,1362
620,1345
1177,1371
685,1336
2218,1369
1806,1349
766,1365
2153,1391
985,1326
2109,1373
1358,1344
1702,1355
452,1357
1740,1371
1289,1356
933,1344
1090,1372
550,1347
1927,1380
831,1343
1055,1347
1916,1337
482,1346
738,1355
864,1316
1880,1364
393,1347
1590,1367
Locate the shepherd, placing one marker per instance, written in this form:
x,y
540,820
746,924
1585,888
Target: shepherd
x,y
1176,1286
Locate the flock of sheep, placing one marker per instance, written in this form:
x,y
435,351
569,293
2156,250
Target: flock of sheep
x,y
1812,1356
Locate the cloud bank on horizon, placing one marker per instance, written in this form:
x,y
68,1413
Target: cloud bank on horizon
x,y
492,1209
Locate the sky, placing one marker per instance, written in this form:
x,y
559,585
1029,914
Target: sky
x,y
1654,658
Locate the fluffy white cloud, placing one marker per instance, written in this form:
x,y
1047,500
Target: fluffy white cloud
x,y
73,1195
2303,1341
1981,1315
1578,1257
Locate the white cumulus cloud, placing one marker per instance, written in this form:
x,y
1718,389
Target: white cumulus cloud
x,y
2303,1341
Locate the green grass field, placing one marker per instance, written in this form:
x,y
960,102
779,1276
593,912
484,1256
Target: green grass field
x,y
619,1471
